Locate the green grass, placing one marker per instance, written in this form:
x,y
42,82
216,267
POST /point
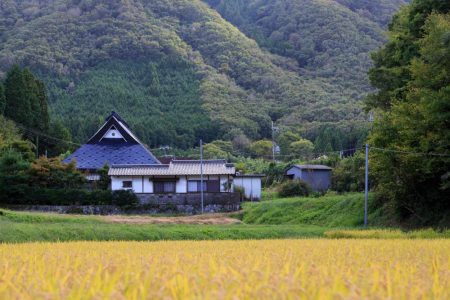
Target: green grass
x,y
26,227
387,234
327,211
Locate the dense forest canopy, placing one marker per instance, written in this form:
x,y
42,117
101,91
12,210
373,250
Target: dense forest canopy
x,y
178,70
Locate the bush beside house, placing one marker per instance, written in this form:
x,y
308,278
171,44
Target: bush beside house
x,y
292,188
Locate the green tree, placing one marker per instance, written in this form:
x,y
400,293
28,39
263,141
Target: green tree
x,y
218,149
31,93
285,139
12,163
391,72
261,148
416,117
302,149
348,174
11,139
53,173
155,86
26,99
44,120
63,136
105,180
18,106
212,151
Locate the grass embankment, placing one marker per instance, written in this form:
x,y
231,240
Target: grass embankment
x,y
327,211
27,227
387,234
330,216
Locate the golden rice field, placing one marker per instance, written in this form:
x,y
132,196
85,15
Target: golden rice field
x,y
266,269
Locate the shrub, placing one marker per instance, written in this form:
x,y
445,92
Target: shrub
x,y
293,188
125,199
348,174
241,191
26,195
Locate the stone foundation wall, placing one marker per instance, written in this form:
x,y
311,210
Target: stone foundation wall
x,y
191,203
150,204
190,199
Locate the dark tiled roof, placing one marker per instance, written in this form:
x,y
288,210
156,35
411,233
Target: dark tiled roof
x,y
118,117
169,159
248,175
313,167
95,156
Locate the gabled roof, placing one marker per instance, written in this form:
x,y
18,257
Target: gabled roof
x,y
99,151
114,120
175,168
311,167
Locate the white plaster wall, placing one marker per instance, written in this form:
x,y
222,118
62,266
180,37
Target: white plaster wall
x,y
137,184
113,134
251,185
148,185
116,182
181,186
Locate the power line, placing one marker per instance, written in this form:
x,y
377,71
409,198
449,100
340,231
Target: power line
x,y
46,136
412,153
40,133
319,154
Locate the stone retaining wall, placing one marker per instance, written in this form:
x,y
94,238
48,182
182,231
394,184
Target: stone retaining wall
x,y
190,199
150,204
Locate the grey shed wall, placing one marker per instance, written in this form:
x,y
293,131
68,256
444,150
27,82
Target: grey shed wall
x,y
318,180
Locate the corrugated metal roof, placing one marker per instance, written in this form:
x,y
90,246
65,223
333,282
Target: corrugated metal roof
x,y
175,168
312,167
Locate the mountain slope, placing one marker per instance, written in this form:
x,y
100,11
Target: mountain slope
x,y
175,69
330,40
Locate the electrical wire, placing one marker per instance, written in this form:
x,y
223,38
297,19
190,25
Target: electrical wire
x,y
49,137
411,153
41,134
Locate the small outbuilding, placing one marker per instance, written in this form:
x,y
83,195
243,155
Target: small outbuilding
x,y
318,177
250,184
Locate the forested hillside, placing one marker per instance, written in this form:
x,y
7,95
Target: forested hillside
x,y
177,70
330,40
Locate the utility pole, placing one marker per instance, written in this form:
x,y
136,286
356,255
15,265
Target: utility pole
x,y
273,141
366,186
164,149
201,173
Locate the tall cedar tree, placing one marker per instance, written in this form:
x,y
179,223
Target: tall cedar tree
x,y
413,105
18,106
26,100
32,93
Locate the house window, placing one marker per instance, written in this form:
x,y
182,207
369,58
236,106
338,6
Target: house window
x,y
127,184
164,187
194,186
210,186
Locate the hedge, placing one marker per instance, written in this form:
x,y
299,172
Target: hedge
x,y
26,195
